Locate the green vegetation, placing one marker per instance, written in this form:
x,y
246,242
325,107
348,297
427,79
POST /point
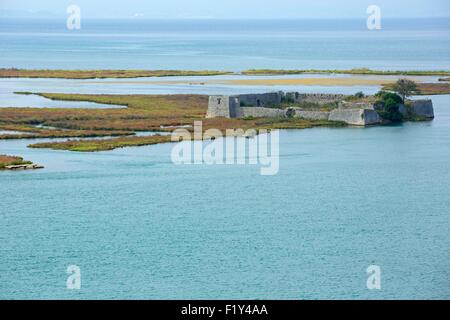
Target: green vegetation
x,y
360,71
11,161
141,113
296,123
389,106
359,95
426,88
404,88
32,132
102,145
110,144
102,74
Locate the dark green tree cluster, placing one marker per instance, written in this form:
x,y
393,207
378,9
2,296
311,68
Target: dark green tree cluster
x,y
389,102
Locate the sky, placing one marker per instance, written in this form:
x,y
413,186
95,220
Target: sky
x,y
225,9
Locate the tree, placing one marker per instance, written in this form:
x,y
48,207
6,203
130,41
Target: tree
x,y
389,106
404,88
359,95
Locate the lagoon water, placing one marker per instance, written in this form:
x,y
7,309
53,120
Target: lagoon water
x,y
139,226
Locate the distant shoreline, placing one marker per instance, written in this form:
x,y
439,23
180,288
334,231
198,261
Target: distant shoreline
x,y
119,74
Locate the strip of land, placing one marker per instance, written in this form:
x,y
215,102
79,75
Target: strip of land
x,y
102,74
359,71
312,82
33,132
110,144
264,81
16,163
102,145
142,113
6,160
427,88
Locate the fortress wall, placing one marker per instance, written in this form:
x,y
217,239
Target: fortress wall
x,y
357,117
423,108
218,106
234,107
359,114
260,100
371,117
311,115
402,109
262,112
356,105
350,116
320,98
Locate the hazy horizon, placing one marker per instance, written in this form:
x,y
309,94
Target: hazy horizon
x,y
230,9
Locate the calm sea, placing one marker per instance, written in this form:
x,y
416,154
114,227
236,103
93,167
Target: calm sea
x,y
226,45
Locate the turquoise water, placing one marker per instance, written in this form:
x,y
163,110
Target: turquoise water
x,y
140,227
226,45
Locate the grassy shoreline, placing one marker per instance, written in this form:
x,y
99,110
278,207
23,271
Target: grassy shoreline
x,y
101,145
427,89
142,113
120,74
359,71
122,142
102,74
6,160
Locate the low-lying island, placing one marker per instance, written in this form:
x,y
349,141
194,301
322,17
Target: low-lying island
x,y
17,163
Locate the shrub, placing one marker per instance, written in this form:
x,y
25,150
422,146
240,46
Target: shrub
x,y
359,95
390,102
385,95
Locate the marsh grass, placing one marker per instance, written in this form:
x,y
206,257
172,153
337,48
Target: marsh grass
x,y
102,145
427,88
102,74
6,160
359,71
142,113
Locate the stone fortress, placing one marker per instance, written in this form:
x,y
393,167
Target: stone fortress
x,y
268,105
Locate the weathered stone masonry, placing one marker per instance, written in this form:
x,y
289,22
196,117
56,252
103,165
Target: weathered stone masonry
x,y
264,106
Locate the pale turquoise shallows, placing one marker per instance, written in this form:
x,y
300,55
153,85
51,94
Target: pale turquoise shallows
x,y
141,227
